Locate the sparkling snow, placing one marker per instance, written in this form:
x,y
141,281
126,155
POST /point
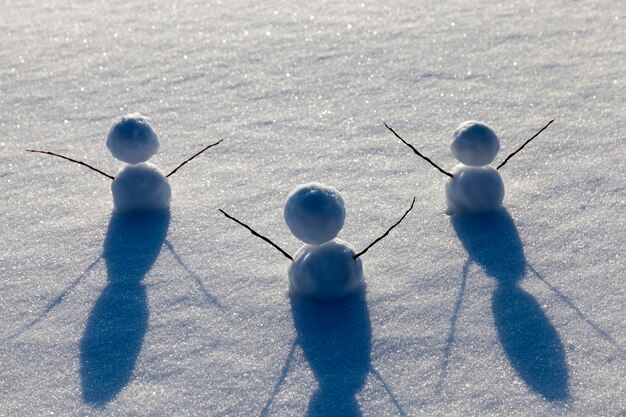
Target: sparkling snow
x,y
518,312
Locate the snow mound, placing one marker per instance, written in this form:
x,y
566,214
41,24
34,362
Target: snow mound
x,y
314,212
474,143
474,189
326,272
132,139
141,187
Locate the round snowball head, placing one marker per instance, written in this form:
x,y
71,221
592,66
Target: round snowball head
x,y
141,187
474,190
326,272
132,139
475,143
314,213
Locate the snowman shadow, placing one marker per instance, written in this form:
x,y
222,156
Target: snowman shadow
x,y
118,322
529,340
336,340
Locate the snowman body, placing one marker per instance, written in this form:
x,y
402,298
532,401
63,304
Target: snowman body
x,y
324,268
475,185
326,272
474,189
139,185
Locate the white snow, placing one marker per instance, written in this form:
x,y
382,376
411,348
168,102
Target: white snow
x,y
314,212
299,91
132,139
326,272
141,187
474,189
474,143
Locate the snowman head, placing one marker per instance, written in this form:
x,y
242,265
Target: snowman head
x,y
474,143
132,139
314,213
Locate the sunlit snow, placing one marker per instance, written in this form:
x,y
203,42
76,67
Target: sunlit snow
x,y
517,311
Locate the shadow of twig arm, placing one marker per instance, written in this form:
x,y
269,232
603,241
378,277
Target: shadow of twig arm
x,y
564,298
447,350
394,400
281,379
210,298
57,300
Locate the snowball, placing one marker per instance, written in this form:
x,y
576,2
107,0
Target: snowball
x,y
314,212
132,140
474,143
141,187
474,189
326,272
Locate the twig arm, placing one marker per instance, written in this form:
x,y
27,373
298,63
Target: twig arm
x,y
525,143
386,233
72,160
417,152
187,160
257,234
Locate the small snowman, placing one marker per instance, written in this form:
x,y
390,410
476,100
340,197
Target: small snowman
x,y
473,185
139,185
325,268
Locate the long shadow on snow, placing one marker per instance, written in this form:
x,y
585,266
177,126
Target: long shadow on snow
x,y
117,324
336,341
530,341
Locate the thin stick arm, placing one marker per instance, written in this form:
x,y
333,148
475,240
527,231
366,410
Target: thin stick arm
x,y
386,233
255,233
418,153
72,160
525,143
187,160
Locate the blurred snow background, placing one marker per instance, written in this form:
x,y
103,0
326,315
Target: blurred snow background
x,y
299,93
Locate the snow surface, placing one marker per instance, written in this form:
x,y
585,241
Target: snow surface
x,y
326,272
474,143
314,212
132,139
299,92
474,189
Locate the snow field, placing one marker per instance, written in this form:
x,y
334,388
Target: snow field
x,y
299,93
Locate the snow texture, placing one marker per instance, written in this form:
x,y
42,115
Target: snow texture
x,y
326,272
314,212
474,143
474,189
517,312
132,139
141,187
